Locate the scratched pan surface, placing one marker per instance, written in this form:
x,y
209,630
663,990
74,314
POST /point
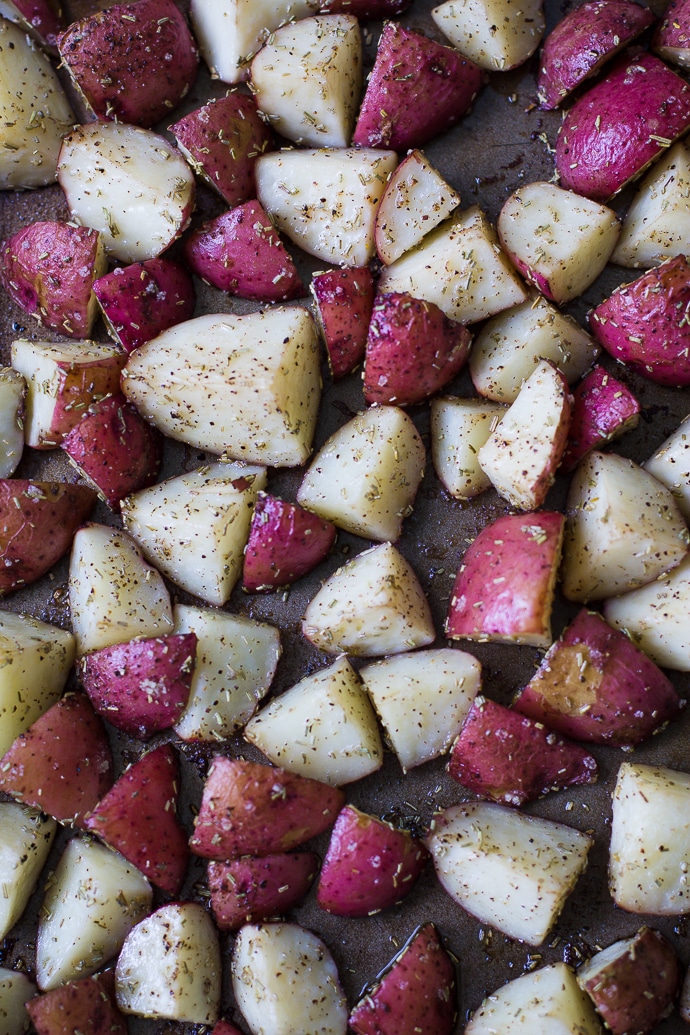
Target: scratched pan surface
x,y
501,145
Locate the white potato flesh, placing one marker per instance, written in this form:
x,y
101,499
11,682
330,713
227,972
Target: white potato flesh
x,y
509,346
656,617
422,700
246,386
307,78
648,860
15,990
325,199
115,596
416,200
25,839
459,267
194,527
129,184
372,606
170,966
323,727
671,466
94,899
12,392
623,529
34,112
495,34
562,240
285,981
459,428
508,869
236,660
548,1000
657,224
365,477
229,32
35,661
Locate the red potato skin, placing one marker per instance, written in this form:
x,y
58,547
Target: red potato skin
x,y
62,764
285,543
643,324
673,33
225,1028
369,865
86,1006
144,299
603,409
241,252
418,992
222,141
595,685
253,809
344,301
508,758
400,112
43,20
37,524
79,385
115,449
583,42
521,550
141,687
413,350
251,889
133,62
138,818
48,269
613,132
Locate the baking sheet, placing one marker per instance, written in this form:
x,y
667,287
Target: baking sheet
x,y
502,144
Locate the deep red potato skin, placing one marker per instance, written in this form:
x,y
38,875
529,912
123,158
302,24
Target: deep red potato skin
x,y
603,408
344,302
86,1006
144,299
674,30
252,889
285,542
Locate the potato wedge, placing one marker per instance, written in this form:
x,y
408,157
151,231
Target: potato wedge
x,y
670,465
550,997
343,303
16,990
142,300
285,542
496,34
459,429
603,409
12,393
25,839
252,889
79,1005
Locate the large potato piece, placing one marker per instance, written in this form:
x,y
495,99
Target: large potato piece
x,y
25,839
657,224
496,34
671,465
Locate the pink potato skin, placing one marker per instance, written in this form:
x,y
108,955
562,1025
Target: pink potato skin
x,y
508,758
41,19
133,62
222,141
417,993
583,42
144,299
595,685
285,543
62,764
603,409
417,89
413,350
644,325
78,386
37,524
253,809
141,687
251,889
616,129
86,1006
241,252
225,1028
369,865
673,33
344,302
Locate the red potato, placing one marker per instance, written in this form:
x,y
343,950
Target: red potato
x,y
285,543
504,589
643,324
241,252
40,19
344,300
37,523
369,865
87,1006
505,757
138,818
225,1028
62,764
416,89
142,300
582,42
417,993
251,889
253,809
133,62
672,37
48,269
603,410
141,687
413,350
620,126
595,685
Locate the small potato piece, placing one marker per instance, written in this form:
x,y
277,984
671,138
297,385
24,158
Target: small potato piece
x,y
87,1006
343,303
142,300
252,889
12,392
671,39
459,428
657,224
15,991
603,410
285,542
25,839
496,34
671,466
